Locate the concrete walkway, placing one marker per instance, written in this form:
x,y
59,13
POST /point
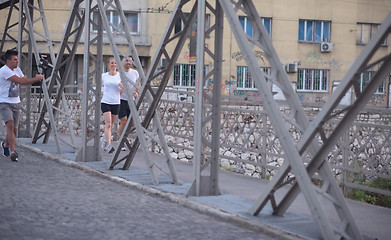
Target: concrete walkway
x,y
238,194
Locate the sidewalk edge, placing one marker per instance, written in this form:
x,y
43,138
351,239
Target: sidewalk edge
x,y
190,203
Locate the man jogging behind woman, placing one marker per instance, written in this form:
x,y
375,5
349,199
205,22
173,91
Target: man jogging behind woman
x,y
124,111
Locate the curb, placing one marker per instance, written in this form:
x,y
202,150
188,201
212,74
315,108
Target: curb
x,y
190,203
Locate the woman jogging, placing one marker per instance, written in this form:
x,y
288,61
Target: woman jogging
x,y
110,103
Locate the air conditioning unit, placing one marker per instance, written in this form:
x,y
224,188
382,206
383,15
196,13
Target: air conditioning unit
x,y
326,47
163,63
291,67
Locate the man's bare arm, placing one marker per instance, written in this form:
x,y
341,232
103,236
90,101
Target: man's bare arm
x,y
25,80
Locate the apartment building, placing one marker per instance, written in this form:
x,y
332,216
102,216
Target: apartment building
x,y
317,41
57,14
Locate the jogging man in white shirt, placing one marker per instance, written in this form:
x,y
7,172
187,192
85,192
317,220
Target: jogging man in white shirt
x,y
124,110
11,77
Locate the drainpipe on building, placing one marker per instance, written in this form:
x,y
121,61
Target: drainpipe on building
x,y
389,93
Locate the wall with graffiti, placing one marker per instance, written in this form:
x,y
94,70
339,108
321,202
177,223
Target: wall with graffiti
x,y
314,59
157,80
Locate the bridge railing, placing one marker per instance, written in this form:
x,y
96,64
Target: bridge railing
x,y
249,144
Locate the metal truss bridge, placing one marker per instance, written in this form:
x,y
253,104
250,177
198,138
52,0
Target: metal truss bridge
x,y
312,147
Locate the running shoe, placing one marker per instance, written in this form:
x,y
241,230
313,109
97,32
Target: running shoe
x,y
14,156
6,150
110,148
103,143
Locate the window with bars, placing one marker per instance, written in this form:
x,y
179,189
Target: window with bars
x,y
365,31
314,31
365,77
184,75
244,80
248,28
132,18
313,80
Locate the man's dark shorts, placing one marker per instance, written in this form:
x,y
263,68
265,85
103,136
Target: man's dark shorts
x,y
124,110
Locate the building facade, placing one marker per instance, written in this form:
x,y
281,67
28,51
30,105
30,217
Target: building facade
x,y
317,41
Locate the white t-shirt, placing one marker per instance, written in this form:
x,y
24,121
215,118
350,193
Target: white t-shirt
x,y
9,90
111,90
133,76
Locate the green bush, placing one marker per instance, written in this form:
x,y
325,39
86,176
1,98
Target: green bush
x,y
372,198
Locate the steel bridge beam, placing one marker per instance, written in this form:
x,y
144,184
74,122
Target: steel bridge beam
x,y
208,183
48,46
307,147
92,93
9,26
144,134
152,98
350,112
295,156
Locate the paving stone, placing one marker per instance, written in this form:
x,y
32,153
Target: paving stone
x,y
42,199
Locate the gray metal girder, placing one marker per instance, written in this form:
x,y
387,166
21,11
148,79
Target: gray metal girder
x,y
54,86
151,97
91,95
207,184
143,133
295,156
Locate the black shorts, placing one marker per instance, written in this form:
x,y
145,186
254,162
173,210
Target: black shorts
x,y
113,108
124,110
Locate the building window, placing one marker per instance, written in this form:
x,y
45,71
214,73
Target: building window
x,y
267,22
246,25
365,31
365,77
248,28
314,31
132,18
314,80
184,75
244,80
179,24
